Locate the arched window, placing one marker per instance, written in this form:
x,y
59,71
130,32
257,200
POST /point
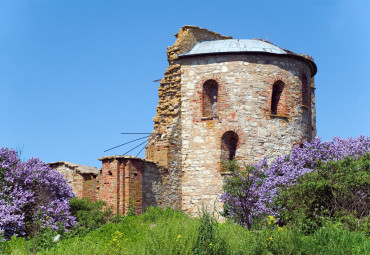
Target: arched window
x,y
229,143
277,90
305,94
210,96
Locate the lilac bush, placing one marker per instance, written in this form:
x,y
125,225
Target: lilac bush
x,y
254,197
32,195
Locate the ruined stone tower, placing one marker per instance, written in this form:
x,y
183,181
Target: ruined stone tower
x,y
220,99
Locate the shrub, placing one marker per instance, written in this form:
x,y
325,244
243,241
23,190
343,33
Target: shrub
x,y
32,195
241,193
282,172
90,214
339,190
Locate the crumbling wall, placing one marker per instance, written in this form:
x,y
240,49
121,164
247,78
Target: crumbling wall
x,y
90,186
169,92
165,144
74,180
83,184
313,107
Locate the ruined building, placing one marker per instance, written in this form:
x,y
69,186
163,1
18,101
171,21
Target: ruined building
x,y
84,180
220,99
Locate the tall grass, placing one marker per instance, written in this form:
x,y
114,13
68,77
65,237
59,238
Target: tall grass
x,y
168,231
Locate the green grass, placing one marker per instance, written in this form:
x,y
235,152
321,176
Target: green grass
x,y
172,232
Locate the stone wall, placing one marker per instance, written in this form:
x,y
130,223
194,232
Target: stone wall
x,y
182,166
83,180
244,107
164,145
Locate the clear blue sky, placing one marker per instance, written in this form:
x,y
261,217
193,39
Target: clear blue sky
x,y
75,74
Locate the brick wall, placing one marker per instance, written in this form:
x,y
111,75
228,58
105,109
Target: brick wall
x,y
90,186
131,181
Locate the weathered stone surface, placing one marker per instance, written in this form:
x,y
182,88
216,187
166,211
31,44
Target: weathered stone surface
x,y
188,144
164,145
244,107
84,180
213,107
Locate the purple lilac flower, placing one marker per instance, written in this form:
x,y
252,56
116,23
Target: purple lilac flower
x,y
258,196
31,191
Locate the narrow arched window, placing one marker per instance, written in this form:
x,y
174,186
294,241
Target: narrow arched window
x,y
305,94
229,143
210,96
277,90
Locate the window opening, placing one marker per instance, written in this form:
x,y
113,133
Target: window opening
x,y
305,95
277,90
210,97
229,143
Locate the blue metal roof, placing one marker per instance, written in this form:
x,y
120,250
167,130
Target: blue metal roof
x,y
233,45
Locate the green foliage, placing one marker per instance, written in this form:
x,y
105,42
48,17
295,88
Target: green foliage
x,y
16,246
155,214
131,209
339,191
178,237
44,239
90,215
240,192
230,165
169,232
208,241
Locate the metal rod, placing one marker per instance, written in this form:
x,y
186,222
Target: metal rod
x,y
135,133
126,143
140,150
134,148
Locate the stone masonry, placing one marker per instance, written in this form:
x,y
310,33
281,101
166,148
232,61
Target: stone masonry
x,y
188,144
220,99
244,98
84,180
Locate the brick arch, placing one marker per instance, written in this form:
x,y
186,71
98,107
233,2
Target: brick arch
x,y
229,145
283,107
241,141
198,97
210,98
238,131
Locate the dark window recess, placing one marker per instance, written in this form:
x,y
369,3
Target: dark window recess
x,y
305,92
229,143
210,96
277,90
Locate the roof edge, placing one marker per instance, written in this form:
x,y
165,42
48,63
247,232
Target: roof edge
x,y
311,63
120,156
